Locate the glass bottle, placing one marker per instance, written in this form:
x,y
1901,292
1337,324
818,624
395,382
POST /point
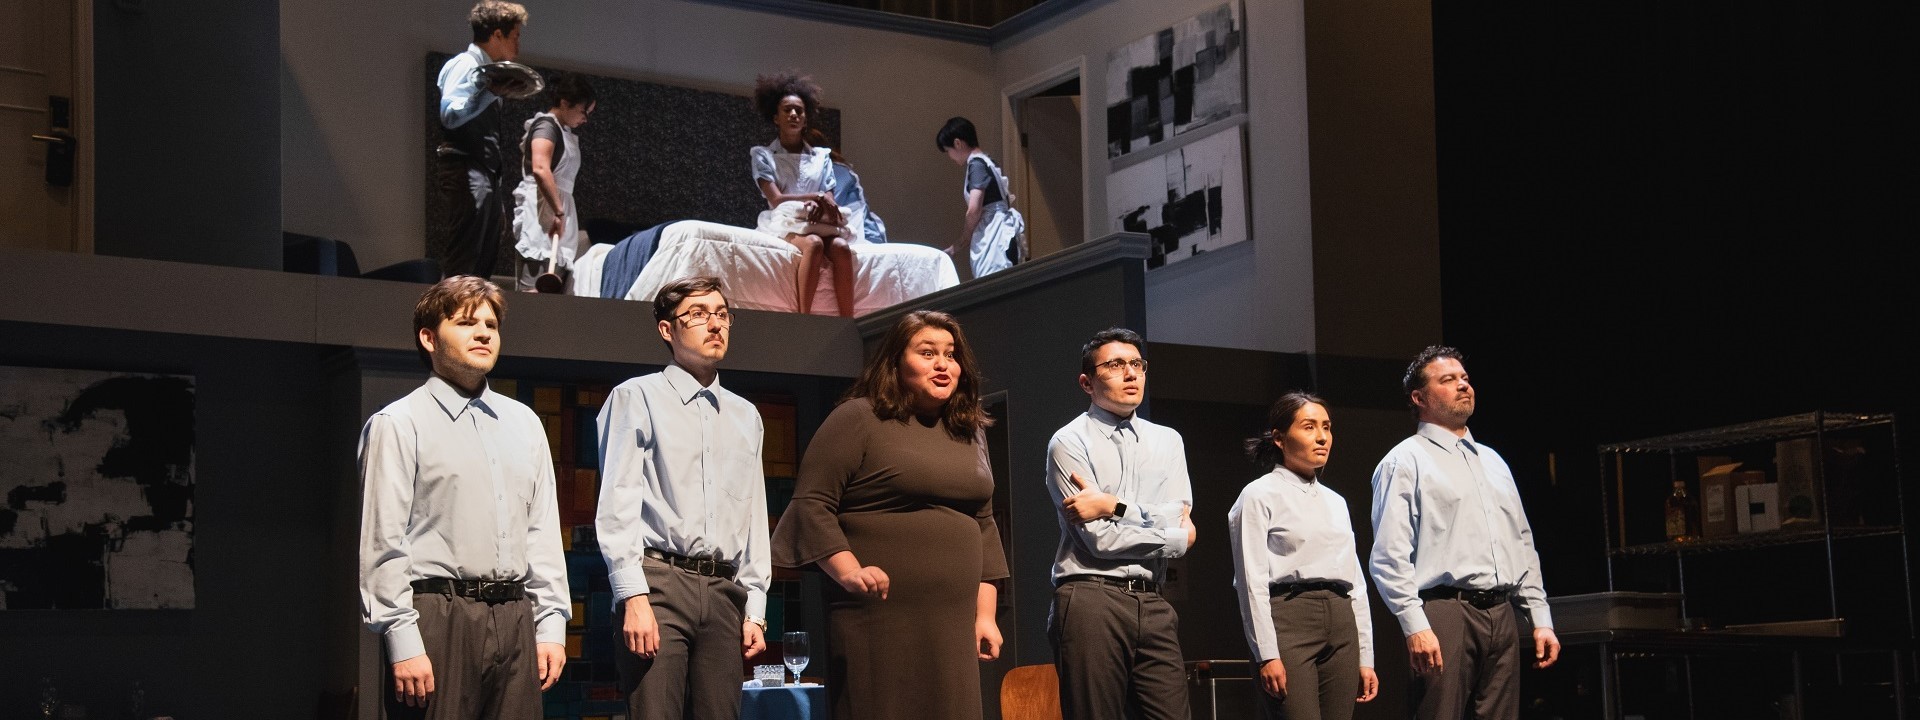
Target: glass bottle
x,y
1679,513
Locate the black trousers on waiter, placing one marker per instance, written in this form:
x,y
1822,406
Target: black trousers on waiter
x,y
1479,656
696,674
470,174
1116,648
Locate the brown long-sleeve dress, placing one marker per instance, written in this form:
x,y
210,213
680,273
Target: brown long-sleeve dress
x,y
909,499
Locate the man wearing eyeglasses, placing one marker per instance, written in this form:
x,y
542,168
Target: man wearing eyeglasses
x,y
682,520
1125,501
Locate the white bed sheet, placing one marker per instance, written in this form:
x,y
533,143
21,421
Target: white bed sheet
x,y
758,268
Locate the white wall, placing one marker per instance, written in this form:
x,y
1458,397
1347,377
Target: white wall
x,y
1257,295
353,99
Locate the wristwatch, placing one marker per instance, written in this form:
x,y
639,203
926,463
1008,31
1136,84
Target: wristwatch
x,y
1119,509
762,622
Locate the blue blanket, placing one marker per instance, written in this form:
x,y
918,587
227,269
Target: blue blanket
x,y
627,259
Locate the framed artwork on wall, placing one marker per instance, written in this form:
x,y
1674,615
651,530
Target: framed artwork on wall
x,y
1176,81
1191,199
99,482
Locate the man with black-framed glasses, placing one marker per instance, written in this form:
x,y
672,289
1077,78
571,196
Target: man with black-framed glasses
x,y
1125,501
682,519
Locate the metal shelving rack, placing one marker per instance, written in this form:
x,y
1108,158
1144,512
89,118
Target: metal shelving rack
x,y
1817,425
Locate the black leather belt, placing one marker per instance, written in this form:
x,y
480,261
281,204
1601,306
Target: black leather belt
x,y
489,591
698,566
1295,588
1127,584
1483,599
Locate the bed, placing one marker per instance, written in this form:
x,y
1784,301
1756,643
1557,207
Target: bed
x,y
758,269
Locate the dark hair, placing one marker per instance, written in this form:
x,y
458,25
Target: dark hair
x,y
571,88
488,16
769,90
1416,376
957,128
1109,335
879,382
1261,449
449,298
669,298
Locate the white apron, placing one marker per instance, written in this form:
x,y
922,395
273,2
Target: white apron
x,y
530,213
1000,239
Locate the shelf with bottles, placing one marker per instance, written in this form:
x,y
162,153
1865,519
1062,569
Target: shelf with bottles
x,y
1800,478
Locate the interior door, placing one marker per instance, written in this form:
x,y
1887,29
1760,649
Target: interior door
x,y
1048,191
40,167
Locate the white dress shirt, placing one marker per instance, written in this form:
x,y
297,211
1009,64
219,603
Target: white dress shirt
x,y
462,94
1145,466
1286,530
458,488
1446,512
680,473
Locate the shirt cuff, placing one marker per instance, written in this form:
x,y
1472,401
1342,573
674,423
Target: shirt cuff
x,y
552,629
403,642
628,583
756,604
1366,658
1176,542
1542,617
1413,619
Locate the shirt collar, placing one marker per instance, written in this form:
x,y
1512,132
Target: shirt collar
x,y
1293,480
478,53
687,388
1445,438
456,404
1109,424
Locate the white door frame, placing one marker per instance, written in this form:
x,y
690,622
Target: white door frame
x,y
1010,127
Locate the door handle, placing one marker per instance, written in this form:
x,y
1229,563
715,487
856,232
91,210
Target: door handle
x,y
60,145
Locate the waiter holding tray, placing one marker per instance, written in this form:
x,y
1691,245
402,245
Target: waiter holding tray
x,y
469,168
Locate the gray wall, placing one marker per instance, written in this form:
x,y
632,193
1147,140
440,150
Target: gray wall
x,y
260,546
1255,295
187,121
352,100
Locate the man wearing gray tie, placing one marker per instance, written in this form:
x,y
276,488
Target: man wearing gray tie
x,y
1453,553
682,520
1121,483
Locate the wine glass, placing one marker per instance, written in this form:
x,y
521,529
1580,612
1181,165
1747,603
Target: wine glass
x,y
795,653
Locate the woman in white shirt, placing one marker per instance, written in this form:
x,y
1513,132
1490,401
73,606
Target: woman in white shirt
x,y
1297,573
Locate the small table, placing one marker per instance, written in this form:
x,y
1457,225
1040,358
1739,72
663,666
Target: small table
x,y
789,702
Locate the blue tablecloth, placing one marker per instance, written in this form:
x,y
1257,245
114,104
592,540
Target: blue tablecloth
x,y
803,702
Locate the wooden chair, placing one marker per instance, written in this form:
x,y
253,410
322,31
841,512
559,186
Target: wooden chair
x,y
1030,692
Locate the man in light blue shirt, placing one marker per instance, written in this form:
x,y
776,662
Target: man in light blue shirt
x,y
682,520
470,167
461,571
1453,553
1124,497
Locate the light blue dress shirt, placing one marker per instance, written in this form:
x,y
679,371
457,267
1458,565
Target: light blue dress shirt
x,y
459,488
1289,529
1145,466
462,95
1446,512
680,473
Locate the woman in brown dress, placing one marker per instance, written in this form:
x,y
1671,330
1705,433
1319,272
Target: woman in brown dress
x,y
894,502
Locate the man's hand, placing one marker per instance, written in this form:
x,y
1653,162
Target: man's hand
x,y
753,639
986,639
1273,678
413,680
1423,653
553,659
1369,685
1186,521
1087,504
866,580
639,629
1546,647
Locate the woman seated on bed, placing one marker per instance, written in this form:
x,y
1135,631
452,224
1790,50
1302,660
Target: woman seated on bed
x,y
796,177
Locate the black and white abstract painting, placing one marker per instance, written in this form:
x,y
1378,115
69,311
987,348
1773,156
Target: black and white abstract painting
x,y
1190,200
98,480
1176,81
